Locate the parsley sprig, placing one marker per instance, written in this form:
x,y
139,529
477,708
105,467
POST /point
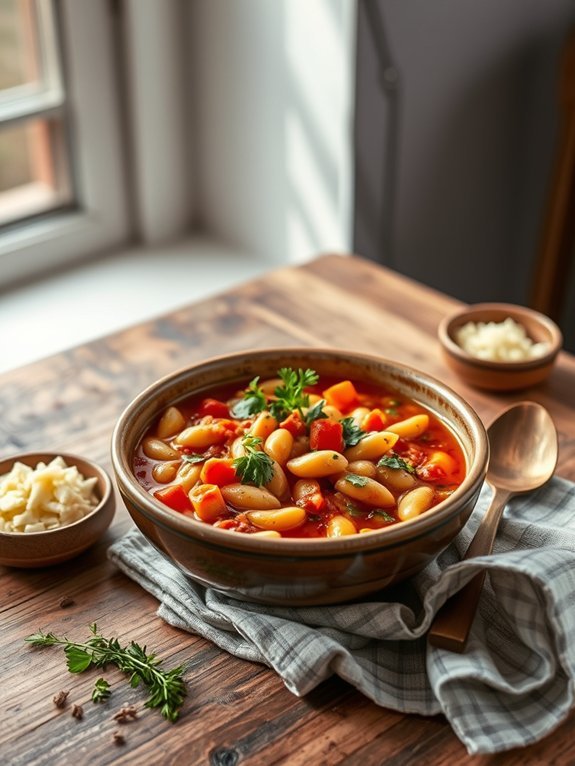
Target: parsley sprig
x,y
255,467
101,690
352,433
166,688
394,461
291,395
315,412
254,401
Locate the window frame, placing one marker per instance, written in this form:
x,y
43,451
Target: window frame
x,y
101,217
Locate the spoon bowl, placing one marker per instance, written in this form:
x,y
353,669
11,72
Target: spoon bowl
x,y
523,444
523,456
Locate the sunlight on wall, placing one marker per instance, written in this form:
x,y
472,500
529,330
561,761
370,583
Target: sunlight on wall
x,y
275,82
317,127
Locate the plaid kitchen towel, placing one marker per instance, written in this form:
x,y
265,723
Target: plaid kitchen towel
x,y
513,685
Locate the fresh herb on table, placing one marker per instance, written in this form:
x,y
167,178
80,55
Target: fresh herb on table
x,y
356,479
394,461
352,433
101,690
193,457
291,395
166,689
254,401
255,467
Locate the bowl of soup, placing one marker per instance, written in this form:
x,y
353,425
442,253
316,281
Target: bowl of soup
x,y
299,476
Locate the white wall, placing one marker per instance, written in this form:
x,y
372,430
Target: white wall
x,y
273,81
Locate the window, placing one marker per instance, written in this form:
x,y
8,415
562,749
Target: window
x,y
62,170
34,167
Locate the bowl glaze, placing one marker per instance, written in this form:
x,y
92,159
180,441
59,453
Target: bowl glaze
x,y
500,376
40,549
299,571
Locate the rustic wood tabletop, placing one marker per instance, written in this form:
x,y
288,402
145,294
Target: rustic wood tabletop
x,y
236,712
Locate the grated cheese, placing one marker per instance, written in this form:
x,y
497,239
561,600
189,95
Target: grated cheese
x,y
45,497
505,341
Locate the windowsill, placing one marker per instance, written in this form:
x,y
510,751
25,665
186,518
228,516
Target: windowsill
x,y
104,295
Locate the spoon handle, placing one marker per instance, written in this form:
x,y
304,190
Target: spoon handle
x,y
452,624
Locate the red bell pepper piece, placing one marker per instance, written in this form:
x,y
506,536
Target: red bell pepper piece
x,y
326,434
374,421
218,471
215,408
174,497
294,424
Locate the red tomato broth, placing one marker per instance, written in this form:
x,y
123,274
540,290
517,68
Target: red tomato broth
x,y
395,407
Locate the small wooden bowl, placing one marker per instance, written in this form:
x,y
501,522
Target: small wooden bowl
x,y
40,549
494,375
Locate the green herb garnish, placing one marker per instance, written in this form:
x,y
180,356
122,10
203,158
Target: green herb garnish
x,y
315,413
167,689
356,479
353,510
381,514
193,457
291,395
394,461
255,467
254,401
101,690
352,433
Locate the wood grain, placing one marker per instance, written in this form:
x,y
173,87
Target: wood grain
x,y
236,712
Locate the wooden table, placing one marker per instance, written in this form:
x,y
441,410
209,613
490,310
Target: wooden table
x,y
236,712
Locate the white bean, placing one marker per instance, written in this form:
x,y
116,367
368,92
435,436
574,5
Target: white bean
x,y
263,425
372,446
366,490
246,496
363,468
279,445
339,526
189,475
278,485
201,436
415,502
170,423
156,449
396,478
316,464
166,472
410,428
280,520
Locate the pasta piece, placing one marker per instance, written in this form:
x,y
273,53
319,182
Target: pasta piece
x,y
170,423
201,436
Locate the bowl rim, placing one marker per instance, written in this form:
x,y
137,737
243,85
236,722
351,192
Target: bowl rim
x,y
68,458
393,535
515,311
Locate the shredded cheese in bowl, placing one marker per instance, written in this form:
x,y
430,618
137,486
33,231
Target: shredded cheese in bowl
x,y
505,341
45,497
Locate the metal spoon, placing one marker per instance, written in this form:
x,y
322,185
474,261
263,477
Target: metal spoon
x,y
523,444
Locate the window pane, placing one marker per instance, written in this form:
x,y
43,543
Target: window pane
x,y
34,176
19,48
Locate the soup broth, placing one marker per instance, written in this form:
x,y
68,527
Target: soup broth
x,y
299,456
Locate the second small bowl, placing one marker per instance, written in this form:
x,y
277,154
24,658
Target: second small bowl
x,y
500,375
53,546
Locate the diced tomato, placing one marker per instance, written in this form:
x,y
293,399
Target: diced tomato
x,y
174,497
326,434
208,502
375,420
342,395
432,472
215,408
226,523
294,424
218,471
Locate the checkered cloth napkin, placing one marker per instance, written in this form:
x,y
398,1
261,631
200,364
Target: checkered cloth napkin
x,y
514,684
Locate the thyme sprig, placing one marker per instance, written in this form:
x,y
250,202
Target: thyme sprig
x,y
166,689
